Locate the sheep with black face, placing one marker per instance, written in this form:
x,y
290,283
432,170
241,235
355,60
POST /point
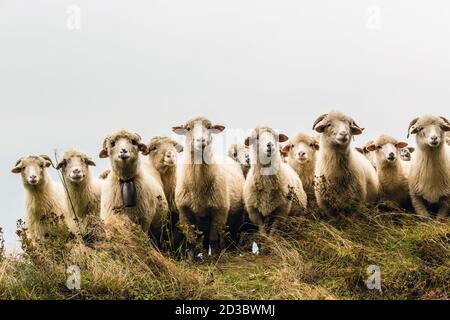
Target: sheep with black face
x,y
129,190
429,177
346,178
45,205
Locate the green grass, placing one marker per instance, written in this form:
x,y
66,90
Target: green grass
x,y
307,259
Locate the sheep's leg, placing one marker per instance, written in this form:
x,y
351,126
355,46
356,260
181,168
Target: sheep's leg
x,y
218,222
187,226
277,217
419,206
443,207
257,219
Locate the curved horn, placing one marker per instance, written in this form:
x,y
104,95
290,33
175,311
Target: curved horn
x,y
320,118
445,119
413,122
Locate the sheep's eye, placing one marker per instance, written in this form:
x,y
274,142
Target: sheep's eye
x,y
113,143
153,149
378,147
133,142
188,128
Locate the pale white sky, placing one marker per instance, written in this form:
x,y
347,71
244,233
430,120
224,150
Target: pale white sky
x,y
150,64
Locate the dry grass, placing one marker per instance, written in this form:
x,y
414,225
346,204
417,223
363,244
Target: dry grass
x,y
309,258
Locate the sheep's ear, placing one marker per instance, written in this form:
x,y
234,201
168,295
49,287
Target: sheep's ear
x,y
320,128
143,149
411,149
104,174
282,137
18,167
104,153
61,164
217,129
180,130
178,147
355,129
360,150
247,141
90,162
284,153
48,161
286,149
401,145
372,147
316,145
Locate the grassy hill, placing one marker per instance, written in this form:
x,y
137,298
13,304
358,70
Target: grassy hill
x,y
309,258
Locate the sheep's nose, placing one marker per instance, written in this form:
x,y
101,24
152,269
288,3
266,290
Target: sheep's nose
x,y
124,151
33,177
76,171
391,156
301,154
270,145
247,159
343,134
169,154
200,140
434,138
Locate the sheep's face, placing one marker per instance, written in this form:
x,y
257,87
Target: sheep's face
x,y
164,153
387,153
33,169
240,154
337,128
75,166
429,130
123,148
264,145
198,133
405,153
302,150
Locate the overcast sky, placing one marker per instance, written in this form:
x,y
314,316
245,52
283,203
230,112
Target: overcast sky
x,y
73,71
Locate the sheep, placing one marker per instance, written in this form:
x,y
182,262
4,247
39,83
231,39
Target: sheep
x,y
429,177
392,172
406,153
301,151
162,156
240,154
128,189
208,194
45,205
369,155
347,180
272,190
82,191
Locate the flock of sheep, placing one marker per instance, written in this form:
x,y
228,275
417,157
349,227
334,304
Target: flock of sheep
x,y
203,199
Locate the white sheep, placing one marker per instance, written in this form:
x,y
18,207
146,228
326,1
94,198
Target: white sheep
x,y
45,205
272,190
82,191
392,172
129,190
301,153
429,177
240,154
346,179
163,155
208,194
